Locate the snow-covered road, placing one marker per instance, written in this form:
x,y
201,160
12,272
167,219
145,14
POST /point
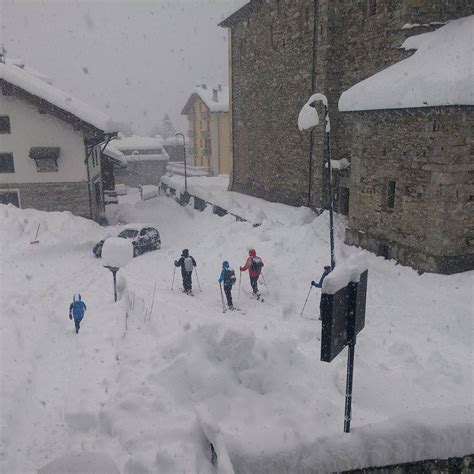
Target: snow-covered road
x,y
250,381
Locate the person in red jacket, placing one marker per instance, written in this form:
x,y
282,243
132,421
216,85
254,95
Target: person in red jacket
x,y
254,265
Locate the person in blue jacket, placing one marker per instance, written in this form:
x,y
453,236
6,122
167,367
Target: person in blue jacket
x,y
77,310
228,278
327,271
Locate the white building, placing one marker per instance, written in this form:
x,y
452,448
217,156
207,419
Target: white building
x,y
50,155
146,160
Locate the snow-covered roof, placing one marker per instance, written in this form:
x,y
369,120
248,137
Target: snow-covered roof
x,y
136,148
35,83
115,155
215,98
439,73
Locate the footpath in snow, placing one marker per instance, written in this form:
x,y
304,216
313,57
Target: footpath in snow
x,y
148,390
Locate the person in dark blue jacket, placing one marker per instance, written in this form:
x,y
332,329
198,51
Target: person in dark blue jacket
x,y
327,271
228,278
77,310
187,264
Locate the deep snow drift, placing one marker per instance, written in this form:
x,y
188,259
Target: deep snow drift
x,y
150,389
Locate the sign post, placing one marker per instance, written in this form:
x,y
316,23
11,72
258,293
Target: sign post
x,y
343,317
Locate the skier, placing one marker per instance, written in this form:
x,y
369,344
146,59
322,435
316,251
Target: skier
x,y
228,278
254,265
327,271
187,264
76,310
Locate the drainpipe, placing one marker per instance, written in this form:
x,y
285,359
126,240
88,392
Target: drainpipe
x,y
313,86
86,161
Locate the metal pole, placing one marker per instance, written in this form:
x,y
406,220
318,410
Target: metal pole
x,y
331,215
304,306
114,273
349,377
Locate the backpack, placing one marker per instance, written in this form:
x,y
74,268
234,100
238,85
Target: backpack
x,y
229,277
256,265
188,264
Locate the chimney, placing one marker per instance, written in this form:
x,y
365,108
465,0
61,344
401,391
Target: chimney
x,y
214,95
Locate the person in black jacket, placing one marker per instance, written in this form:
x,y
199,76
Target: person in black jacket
x,y
327,271
187,264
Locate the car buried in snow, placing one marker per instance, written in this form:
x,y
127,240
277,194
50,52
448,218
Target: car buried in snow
x,y
144,238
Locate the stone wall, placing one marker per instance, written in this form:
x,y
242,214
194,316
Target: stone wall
x,y
427,154
73,197
281,52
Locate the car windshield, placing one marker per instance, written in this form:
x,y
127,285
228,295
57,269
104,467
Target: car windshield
x,y
128,234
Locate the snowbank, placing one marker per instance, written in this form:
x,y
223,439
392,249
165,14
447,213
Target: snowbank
x,y
34,85
438,74
91,463
18,228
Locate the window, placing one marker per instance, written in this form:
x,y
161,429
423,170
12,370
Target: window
x,y
390,197
344,195
10,197
46,158
4,124
6,163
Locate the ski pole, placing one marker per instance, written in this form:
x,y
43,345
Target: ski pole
x,y
222,299
240,281
265,283
174,271
304,306
197,278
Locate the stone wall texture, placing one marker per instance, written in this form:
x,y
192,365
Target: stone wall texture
x,y
281,52
73,197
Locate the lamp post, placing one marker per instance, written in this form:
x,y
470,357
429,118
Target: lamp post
x,y
185,169
308,118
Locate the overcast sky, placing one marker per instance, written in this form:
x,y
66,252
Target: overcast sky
x,y
134,59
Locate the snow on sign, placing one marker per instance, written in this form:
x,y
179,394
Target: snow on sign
x,y
117,252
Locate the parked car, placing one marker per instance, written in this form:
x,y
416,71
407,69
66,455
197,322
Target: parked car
x,y
143,237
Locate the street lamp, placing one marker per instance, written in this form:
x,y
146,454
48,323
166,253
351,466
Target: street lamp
x,y
308,118
185,170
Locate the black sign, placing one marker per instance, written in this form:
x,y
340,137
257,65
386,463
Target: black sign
x,y
343,317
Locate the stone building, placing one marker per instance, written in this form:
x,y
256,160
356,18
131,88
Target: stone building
x,y
280,53
209,128
50,146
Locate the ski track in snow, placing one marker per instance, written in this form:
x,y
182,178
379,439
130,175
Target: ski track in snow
x,y
255,377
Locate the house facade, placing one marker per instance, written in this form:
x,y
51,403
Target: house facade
x,y
209,128
146,160
280,53
50,146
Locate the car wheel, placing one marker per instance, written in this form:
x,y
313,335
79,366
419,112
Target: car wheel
x,y
136,252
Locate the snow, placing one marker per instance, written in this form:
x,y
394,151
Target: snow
x,y
345,272
90,463
30,82
207,96
439,73
117,252
141,146
150,386
115,154
308,116
339,165
148,191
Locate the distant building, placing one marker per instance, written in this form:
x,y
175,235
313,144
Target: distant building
x,y
146,160
112,160
50,146
174,148
408,189
209,128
